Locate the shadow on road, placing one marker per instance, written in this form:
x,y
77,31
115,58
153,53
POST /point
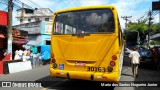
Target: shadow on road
x,y
67,84
126,74
81,85
149,66
46,81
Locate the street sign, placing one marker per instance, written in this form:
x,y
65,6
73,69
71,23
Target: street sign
x,y
156,5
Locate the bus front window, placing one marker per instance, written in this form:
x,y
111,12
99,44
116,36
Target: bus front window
x,y
84,21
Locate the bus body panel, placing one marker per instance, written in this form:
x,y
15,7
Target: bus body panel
x,y
112,77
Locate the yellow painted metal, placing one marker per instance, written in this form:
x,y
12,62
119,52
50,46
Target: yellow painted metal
x,y
95,50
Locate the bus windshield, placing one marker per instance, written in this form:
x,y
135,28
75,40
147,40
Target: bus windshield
x,y
84,21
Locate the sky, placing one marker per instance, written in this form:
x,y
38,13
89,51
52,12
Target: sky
x,y
134,8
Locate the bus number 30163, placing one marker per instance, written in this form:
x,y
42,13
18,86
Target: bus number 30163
x,y
96,69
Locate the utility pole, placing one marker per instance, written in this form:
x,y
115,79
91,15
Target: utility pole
x,y
126,24
126,19
159,14
149,27
9,30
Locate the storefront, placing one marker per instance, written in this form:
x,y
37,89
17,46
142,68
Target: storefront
x,y
3,37
3,33
20,38
39,33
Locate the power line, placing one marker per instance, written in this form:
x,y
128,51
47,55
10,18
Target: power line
x,y
155,13
126,19
132,3
4,3
68,2
126,6
75,3
14,5
6,9
78,2
139,6
28,7
35,3
144,16
24,4
133,8
72,4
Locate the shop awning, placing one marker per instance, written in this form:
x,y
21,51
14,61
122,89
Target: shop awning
x,y
2,36
35,40
20,41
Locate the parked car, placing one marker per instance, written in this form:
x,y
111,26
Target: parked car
x,y
146,55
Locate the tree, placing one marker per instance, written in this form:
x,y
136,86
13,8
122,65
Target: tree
x,y
142,27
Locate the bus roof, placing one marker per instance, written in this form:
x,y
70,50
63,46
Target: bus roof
x,y
84,8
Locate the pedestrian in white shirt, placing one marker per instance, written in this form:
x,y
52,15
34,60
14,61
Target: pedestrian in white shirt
x,y
16,57
135,61
25,55
20,54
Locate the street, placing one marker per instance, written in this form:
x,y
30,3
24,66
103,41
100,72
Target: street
x,y
87,35
41,74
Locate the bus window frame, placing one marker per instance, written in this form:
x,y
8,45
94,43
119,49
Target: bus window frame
x,y
114,19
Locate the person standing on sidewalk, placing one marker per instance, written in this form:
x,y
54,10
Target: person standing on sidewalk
x,y
34,52
135,61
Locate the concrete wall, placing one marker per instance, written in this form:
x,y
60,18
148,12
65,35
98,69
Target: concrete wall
x,y
19,66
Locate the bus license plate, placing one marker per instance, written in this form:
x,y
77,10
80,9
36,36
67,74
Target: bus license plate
x,y
96,69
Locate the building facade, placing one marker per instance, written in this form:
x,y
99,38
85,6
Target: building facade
x,y
25,15
39,33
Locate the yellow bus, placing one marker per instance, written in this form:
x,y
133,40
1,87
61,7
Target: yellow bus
x,y
87,44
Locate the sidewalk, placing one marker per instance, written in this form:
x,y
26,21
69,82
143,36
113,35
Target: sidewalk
x,y
28,75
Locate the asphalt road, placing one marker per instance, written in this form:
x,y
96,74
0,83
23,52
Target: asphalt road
x,y
41,75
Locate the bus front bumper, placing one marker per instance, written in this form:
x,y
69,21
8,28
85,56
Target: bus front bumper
x,y
95,76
